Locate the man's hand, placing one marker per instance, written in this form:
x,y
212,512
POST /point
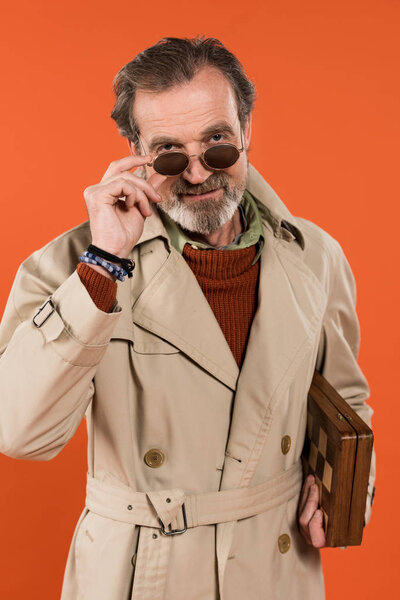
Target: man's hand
x,y
309,515
115,224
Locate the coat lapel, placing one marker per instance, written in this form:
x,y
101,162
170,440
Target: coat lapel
x,y
290,306
165,299
174,308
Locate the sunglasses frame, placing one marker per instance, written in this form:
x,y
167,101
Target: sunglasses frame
x,y
200,155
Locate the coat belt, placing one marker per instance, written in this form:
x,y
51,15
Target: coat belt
x,y
155,509
140,508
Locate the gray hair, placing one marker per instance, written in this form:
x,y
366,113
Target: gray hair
x,y
173,61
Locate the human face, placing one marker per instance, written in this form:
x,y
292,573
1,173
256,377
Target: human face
x,y
192,117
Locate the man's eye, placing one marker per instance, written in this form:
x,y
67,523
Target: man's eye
x,y
217,137
165,148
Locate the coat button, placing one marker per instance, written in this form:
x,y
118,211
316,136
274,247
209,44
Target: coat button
x,y
154,458
285,444
284,543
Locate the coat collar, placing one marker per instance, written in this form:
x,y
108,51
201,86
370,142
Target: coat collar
x,y
274,213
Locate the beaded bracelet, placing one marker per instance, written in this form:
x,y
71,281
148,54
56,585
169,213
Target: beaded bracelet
x,y
92,259
126,263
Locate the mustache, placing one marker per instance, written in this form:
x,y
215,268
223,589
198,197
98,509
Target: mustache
x,y
214,181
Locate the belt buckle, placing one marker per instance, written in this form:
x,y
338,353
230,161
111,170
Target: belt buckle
x,y
175,531
48,301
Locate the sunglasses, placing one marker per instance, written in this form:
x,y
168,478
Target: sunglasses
x,y
217,157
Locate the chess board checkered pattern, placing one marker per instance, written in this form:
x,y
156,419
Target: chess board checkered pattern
x,y
320,458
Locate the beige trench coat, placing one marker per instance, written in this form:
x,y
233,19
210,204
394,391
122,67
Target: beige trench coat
x,y
157,374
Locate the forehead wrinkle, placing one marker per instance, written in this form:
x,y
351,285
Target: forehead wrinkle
x,y
195,117
187,127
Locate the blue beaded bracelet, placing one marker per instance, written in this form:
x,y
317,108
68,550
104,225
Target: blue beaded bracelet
x,y
92,259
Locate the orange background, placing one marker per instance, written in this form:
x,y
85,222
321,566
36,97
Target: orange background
x,y
326,137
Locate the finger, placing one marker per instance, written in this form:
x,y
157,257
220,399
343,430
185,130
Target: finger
x,y
156,180
141,202
310,507
139,182
125,164
316,529
109,193
309,480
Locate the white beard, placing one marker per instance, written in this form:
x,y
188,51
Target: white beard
x,y
207,215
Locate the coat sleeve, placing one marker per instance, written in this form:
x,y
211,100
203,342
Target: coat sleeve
x,y
47,369
339,347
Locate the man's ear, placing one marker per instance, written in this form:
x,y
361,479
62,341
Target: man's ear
x,y
132,148
247,131
140,171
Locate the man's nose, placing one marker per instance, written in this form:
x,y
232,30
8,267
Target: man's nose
x,y
196,172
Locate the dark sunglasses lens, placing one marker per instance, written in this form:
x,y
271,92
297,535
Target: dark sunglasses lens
x,y
171,163
221,157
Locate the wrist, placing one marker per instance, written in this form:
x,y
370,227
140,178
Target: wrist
x,y
120,252
117,266
103,271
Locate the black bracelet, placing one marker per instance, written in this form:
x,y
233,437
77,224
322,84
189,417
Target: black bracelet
x,y
126,263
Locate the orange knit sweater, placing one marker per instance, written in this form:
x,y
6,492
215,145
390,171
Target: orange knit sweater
x,y
229,282
101,288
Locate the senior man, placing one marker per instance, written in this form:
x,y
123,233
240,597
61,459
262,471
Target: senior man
x,y
187,336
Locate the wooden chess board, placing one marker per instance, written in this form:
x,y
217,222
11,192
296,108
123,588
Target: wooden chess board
x,y
337,451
